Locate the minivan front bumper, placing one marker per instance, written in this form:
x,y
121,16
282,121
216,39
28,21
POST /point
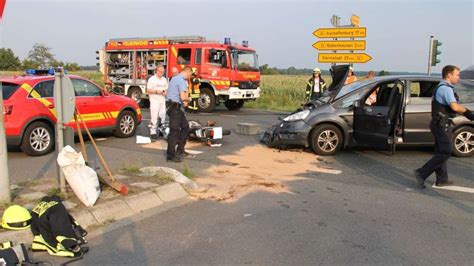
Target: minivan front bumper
x,y
287,133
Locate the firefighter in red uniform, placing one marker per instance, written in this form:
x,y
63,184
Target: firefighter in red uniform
x,y
193,91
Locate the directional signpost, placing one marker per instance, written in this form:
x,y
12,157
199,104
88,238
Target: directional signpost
x,y
65,105
341,32
339,45
335,45
344,58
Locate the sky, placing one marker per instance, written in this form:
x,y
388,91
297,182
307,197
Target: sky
x,y
398,31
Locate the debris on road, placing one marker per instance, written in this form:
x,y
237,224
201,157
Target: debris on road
x,y
239,174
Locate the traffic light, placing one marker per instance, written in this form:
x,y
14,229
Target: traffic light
x,y
97,57
435,52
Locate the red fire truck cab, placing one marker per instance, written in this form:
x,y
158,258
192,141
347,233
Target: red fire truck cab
x,y
229,72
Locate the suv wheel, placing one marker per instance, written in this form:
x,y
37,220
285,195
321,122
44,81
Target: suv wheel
x,y
326,139
126,124
38,139
463,142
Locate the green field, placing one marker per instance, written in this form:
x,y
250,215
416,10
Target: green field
x,y
279,92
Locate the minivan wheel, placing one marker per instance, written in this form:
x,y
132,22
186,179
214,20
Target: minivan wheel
x,y
38,139
463,142
326,140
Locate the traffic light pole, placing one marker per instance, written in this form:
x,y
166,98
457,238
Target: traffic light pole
x,y
430,55
5,195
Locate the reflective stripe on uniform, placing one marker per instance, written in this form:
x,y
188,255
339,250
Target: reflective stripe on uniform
x,y
43,207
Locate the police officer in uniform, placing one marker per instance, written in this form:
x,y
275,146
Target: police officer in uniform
x,y
444,106
177,100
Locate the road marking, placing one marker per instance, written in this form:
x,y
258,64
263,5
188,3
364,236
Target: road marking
x,y
328,171
228,115
456,188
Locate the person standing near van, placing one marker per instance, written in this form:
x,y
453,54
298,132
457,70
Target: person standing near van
x,y
177,100
156,89
444,106
315,85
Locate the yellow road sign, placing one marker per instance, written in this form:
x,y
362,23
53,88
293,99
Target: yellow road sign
x,y
341,32
355,20
339,45
344,58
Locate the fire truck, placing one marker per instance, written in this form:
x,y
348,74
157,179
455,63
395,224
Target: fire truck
x,y
228,71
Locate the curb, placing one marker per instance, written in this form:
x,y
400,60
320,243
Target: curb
x,y
175,174
114,210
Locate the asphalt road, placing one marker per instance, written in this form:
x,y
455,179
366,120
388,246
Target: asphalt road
x,y
371,213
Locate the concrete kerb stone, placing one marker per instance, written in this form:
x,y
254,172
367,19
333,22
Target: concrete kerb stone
x,y
171,192
143,201
113,210
85,218
176,175
17,236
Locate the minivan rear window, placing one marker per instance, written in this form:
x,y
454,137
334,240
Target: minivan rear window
x,y
8,89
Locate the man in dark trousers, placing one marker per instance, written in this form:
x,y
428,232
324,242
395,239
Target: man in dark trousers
x,y
177,99
444,106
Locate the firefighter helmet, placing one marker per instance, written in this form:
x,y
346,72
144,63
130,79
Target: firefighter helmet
x,y
16,217
317,70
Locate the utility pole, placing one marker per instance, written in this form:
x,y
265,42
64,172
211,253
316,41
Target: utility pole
x,y
5,195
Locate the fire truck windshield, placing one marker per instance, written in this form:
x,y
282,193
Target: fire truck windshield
x,y
245,60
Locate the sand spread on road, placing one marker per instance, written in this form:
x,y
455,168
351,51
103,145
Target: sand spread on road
x,y
257,168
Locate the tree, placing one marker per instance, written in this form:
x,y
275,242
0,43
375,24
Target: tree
x,y
8,60
28,64
41,55
384,73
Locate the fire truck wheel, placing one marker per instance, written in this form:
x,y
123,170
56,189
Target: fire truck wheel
x,y
135,93
126,124
234,104
38,139
207,100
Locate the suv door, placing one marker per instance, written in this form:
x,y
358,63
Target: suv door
x,y
95,109
375,123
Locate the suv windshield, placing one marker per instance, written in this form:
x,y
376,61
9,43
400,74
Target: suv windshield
x,y
245,60
8,89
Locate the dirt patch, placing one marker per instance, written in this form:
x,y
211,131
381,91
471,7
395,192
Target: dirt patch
x,y
255,168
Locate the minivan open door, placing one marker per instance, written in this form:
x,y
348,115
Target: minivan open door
x,y
375,125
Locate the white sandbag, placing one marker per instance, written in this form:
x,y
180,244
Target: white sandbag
x,y
82,179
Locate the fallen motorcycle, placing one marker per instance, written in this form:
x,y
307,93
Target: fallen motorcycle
x,y
208,133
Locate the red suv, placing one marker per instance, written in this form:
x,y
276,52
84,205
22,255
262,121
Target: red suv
x,y
30,115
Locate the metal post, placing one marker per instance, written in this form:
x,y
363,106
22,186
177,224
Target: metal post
x,y
5,195
59,130
430,55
